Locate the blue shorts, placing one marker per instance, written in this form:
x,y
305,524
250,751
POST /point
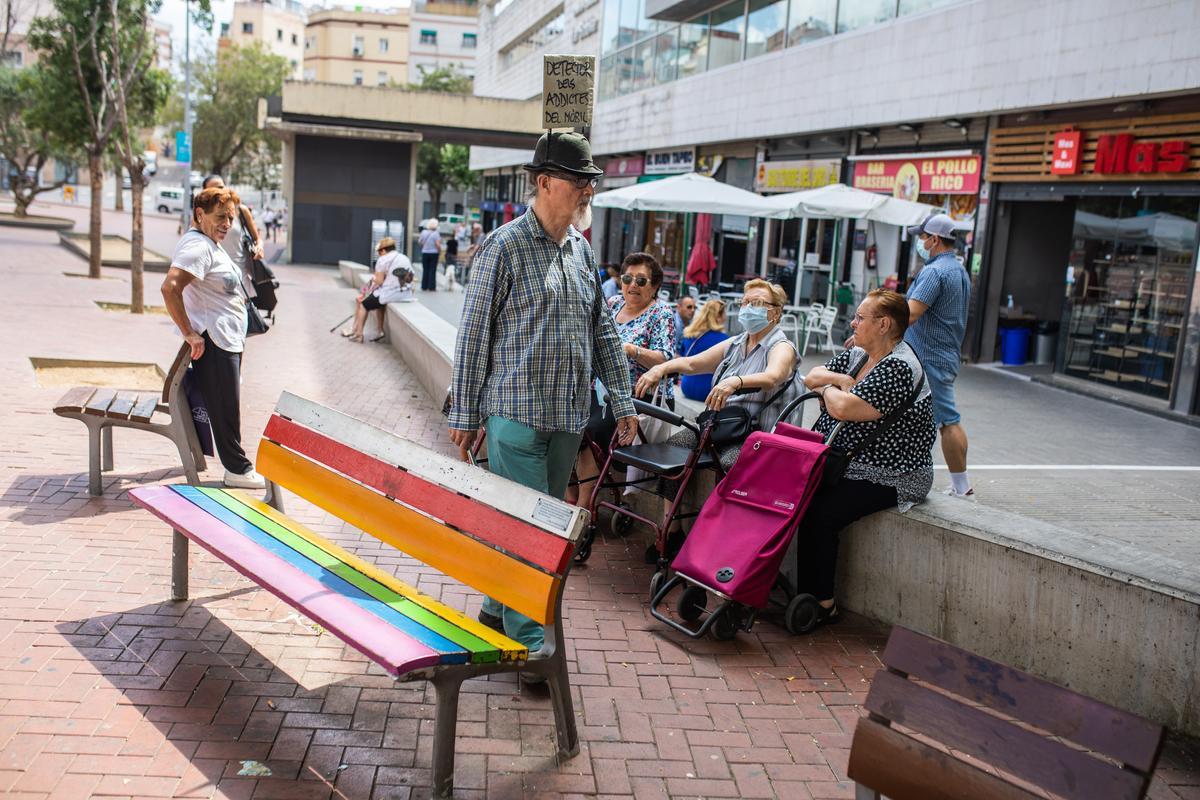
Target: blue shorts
x,y
941,385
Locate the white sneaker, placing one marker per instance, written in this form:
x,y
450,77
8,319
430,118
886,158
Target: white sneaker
x,y
969,494
250,480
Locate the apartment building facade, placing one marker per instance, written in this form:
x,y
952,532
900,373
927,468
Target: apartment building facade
x,y
365,48
277,24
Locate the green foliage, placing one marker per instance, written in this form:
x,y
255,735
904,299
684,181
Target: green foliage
x,y
444,167
443,79
27,147
226,109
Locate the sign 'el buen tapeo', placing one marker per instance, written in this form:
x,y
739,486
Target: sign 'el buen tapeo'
x,y
567,91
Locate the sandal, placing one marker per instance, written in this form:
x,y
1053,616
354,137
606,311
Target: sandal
x,y
356,339
377,337
828,616
347,332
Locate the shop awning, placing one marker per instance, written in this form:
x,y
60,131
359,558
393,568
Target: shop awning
x,y
837,200
689,193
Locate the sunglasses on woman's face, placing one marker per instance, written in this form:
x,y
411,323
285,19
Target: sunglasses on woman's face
x,y
640,280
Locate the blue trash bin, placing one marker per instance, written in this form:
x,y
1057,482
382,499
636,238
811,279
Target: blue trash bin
x,y
1014,346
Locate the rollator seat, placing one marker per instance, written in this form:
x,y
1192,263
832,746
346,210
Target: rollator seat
x,y
660,457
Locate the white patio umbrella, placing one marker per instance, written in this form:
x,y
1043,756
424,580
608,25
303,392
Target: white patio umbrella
x,y
689,193
837,200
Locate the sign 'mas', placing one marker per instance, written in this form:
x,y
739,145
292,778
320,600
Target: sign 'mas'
x,y
1121,153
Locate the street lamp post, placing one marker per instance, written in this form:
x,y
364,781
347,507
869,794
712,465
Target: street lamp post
x,y
187,110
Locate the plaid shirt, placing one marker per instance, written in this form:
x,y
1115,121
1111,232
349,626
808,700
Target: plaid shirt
x,y
532,322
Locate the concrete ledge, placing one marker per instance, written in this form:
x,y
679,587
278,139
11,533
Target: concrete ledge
x,y
1098,616
351,272
115,251
10,220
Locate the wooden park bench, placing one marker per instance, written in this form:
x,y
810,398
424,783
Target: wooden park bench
x,y
101,410
1022,734
500,538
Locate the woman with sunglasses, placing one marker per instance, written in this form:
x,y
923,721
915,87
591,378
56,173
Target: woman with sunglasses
x,y
646,326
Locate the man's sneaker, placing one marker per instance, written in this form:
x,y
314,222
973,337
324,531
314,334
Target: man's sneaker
x,y
491,620
969,494
250,480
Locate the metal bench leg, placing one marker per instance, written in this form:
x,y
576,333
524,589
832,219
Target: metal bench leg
x,y
564,710
864,793
95,487
179,566
447,685
106,461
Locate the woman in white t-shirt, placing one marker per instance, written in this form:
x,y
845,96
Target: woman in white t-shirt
x,y
385,287
205,299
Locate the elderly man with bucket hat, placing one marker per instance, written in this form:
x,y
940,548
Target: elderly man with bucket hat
x,y
534,330
937,322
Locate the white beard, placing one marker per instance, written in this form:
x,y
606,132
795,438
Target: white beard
x,y
583,218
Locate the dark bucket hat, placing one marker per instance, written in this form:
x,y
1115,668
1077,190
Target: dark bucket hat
x,y
567,152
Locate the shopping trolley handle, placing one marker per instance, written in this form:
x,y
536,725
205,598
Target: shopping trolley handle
x,y
792,406
658,412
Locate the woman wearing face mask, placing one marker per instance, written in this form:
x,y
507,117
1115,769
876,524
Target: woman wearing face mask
x,y
761,358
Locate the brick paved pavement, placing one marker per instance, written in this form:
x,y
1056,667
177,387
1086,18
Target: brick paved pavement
x,y
109,689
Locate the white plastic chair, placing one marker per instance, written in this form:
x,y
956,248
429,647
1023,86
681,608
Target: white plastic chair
x,y
664,295
821,323
790,324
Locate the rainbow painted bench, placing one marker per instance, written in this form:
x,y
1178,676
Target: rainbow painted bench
x,y
496,536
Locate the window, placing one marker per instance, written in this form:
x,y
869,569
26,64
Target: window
x,y
293,64
726,29
358,46
310,73
381,79
428,37
604,85
12,58
383,45
810,19
665,46
279,34
917,6
358,77
693,46
853,14
765,27
295,38
643,58
248,27
224,30
469,41
610,29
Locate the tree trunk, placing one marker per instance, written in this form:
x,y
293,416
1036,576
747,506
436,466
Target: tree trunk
x,y
120,204
137,184
22,198
435,200
96,175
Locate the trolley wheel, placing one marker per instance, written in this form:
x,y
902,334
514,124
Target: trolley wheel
x,y
656,582
692,603
620,524
725,626
801,614
583,551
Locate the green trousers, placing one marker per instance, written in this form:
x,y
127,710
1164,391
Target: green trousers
x,y
540,460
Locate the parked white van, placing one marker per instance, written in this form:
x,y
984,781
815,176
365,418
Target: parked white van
x,y
169,200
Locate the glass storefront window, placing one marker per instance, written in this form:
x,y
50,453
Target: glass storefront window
x,y
1131,267
693,46
810,19
765,27
665,56
606,88
726,31
853,14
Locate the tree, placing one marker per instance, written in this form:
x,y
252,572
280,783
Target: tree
x,y
444,167
24,145
227,107
259,167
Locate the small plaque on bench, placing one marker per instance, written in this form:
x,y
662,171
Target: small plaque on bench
x,y
554,514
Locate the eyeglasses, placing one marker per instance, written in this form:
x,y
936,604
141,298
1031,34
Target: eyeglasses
x,y
640,280
860,317
758,303
577,181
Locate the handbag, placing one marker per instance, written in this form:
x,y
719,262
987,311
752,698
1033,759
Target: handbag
x,y
261,277
734,422
255,323
837,461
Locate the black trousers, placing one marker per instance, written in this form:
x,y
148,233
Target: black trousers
x,y
218,375
831,510
429,266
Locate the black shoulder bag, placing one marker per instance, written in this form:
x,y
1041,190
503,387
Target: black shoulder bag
x,y
261,277
836,461
734,422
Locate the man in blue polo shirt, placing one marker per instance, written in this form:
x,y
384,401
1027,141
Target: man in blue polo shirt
x,y
937,314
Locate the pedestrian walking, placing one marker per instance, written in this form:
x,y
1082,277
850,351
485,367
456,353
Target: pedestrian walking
x,y
534,330
431,247
937,307
269,222
204,300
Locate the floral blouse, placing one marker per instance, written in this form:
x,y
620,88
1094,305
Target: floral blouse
x,y
653,329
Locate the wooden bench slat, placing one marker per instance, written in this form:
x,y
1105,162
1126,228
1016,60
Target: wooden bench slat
x,y
1044,762
143,410
1097,726
521,502
510,649
518,586
75,400
122,404
516,537
902,768
451,652
100,402
364,631
479,650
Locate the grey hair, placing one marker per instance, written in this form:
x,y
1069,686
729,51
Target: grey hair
x,y
531,186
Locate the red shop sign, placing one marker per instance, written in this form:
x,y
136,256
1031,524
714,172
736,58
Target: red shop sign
x,y
908,178
1067,153
1121,153
630,166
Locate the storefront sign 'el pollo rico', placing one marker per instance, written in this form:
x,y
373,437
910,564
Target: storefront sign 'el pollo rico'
x,y
908,178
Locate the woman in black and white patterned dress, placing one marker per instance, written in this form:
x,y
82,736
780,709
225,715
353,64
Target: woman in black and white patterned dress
x,y
894,470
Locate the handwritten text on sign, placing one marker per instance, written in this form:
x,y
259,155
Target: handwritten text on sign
x,y
567,85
